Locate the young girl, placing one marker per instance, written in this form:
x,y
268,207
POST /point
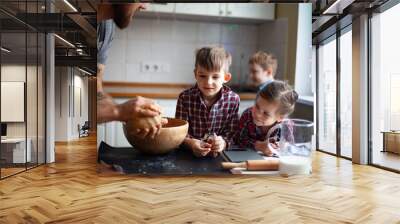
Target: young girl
x,y
260,125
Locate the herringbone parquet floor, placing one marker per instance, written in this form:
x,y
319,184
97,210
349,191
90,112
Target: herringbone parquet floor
x,y
72,191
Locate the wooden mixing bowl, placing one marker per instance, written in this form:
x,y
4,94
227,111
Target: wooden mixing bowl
x,y
170,137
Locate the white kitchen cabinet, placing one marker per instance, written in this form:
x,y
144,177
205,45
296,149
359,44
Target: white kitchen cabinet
x,y
161,7
205,9
224,11
262,11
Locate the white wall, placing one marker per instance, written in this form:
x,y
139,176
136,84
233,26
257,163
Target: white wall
x,y
61,103
14,73
173,43
17,73
81,84
33,127
303,76
67,115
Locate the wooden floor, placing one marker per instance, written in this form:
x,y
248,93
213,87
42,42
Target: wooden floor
x,y
10,171
72,191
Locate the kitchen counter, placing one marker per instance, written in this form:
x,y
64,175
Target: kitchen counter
x,y
180,161
307,100
153,90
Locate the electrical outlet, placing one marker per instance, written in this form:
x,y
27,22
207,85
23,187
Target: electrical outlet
x,y
145,67
154,67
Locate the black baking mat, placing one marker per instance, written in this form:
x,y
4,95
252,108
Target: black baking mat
x,y
178,162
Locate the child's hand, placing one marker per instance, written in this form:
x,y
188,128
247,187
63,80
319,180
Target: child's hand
x,y
200,148
218,145
274,145
262,146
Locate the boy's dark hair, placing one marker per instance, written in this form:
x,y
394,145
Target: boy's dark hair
x,y
281,93
213,59
265,60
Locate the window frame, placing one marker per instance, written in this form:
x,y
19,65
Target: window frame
x,y
371,13
333,37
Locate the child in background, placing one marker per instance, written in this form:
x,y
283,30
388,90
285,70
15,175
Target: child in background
x,y
262,68
210,107
259,125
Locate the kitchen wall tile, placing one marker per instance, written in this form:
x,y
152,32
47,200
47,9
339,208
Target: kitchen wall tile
x,y
137,51
234,70
134,74
161,51
117,52
278,49
115,72
139,29
209,33
121,35
231,33
174,42
273,32
183,73
185,53
241,73
272,39
246,51
162,30
185,31
248,34
234,50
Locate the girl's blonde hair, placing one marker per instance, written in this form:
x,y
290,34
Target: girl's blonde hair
x,y
281,93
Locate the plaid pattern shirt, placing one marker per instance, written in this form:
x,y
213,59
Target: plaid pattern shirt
x,y
249,132
221,118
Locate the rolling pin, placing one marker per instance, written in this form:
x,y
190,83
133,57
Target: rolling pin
x,y
253,165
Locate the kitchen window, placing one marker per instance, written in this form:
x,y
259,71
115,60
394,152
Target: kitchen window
x,y
22,101
334,94
327,96
385,89
346,93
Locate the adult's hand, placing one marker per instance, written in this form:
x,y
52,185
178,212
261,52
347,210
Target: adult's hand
x,y
138,107
106,108
141,107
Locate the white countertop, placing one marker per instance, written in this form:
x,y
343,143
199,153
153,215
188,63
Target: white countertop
x,y
307,100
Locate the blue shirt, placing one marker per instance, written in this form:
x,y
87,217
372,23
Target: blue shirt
x,y
105,35
260,87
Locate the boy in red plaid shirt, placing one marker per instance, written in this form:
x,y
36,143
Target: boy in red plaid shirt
x,y
260,126
210,107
